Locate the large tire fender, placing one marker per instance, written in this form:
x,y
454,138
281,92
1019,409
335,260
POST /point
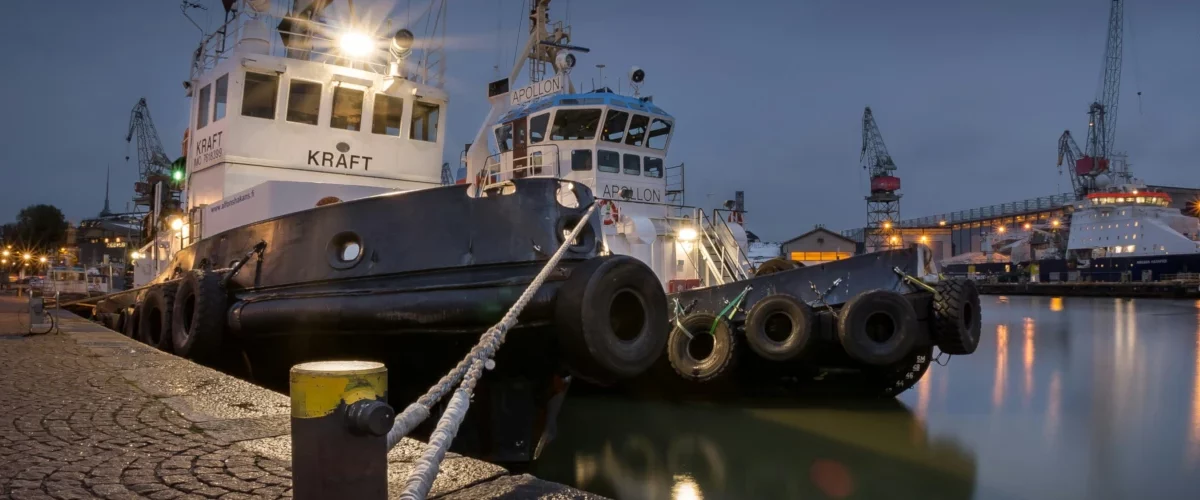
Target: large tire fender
x,y
131,322
198,322
719,358
878,327
956,316
154,326
781,314
775,265
612,319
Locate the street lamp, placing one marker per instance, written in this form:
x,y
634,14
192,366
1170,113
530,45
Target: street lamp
x,y
27,256
5,253
42,260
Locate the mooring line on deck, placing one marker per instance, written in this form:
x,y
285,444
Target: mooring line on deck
x,y
468,371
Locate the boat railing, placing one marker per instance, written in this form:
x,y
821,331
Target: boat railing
x,y
307,41
543,162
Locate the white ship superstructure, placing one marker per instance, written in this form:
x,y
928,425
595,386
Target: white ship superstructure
x,y
1131,221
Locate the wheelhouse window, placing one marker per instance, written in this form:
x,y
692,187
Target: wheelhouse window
x,y
304,102
537,128
575,124
660,131
259,93
637,130
347,109
504,137
653,167
222,97
614,126
608,161
424,121
202,108
633,164
581,159
387,115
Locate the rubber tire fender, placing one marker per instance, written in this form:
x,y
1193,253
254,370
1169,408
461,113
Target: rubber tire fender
x,y
713,366
775,265
198,322
584,314
799,314
162,298
131,322
956,316
857,317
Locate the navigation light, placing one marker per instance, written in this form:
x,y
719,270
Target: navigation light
x,y
356,44
177,175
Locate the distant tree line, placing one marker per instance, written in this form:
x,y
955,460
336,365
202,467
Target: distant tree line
x,y
37,228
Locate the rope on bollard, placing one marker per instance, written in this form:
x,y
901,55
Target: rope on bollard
x,y
468,371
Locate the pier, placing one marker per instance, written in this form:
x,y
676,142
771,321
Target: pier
x,y
87,413
1154,289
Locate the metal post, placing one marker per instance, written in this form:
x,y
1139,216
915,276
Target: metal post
x,y
340,420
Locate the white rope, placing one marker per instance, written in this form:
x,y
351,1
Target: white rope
x,y
468,370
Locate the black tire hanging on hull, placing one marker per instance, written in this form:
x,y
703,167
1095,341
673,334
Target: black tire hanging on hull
x,y
698,356
956,316
775,316
775,265
154,327
131,322
611,315
892,380
198,319
877,327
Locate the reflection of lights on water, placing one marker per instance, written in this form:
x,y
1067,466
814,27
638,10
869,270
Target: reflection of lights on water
x,y
832,478
685,488
923,395
1001,365
1027,393
1056,304
1053,404
1194,435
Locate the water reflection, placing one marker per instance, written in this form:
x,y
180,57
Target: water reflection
x,y
650,450
1110,408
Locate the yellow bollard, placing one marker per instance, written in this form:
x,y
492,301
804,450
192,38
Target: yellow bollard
x,y
340,420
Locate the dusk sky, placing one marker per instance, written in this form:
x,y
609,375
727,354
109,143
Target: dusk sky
x,y
768,95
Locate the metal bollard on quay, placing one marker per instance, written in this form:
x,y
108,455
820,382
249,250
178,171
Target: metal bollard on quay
x,y
340,421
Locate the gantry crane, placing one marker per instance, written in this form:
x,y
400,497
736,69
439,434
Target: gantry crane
x,y
153,164
883,202
1087,166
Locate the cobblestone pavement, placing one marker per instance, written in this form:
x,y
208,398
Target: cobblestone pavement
x,y
88,413
72,427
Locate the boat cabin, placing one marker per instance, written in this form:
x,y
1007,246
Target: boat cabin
x,y
604,140
289,103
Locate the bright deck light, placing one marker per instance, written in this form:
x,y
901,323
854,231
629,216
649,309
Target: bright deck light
x,y
687,234
355,44
176,224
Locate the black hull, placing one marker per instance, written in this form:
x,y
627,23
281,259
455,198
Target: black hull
x,y
437,267
1108,269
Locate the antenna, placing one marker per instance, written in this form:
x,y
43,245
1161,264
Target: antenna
x,y
107,175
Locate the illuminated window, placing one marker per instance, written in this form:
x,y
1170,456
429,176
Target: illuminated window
x,y
202,109
614,126
387,115
259,94
222,96
304,102
425,116
347,109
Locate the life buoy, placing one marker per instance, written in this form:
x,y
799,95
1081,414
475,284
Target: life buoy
x,y
610,213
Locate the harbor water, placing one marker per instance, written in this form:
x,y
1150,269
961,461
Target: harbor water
x,y
1065,398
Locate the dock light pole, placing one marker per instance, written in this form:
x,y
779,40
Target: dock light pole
x,y
340,421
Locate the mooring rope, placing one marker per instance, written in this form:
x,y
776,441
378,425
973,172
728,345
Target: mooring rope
x,y
469,370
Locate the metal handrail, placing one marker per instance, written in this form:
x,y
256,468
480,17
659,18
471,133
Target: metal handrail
x,y
496,175
741,255
733,269
221,44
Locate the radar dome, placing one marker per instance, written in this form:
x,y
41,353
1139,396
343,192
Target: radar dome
x,y
1103,181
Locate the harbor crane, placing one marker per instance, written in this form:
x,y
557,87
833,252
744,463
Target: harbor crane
x,y
1091,169
153,164
883,202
